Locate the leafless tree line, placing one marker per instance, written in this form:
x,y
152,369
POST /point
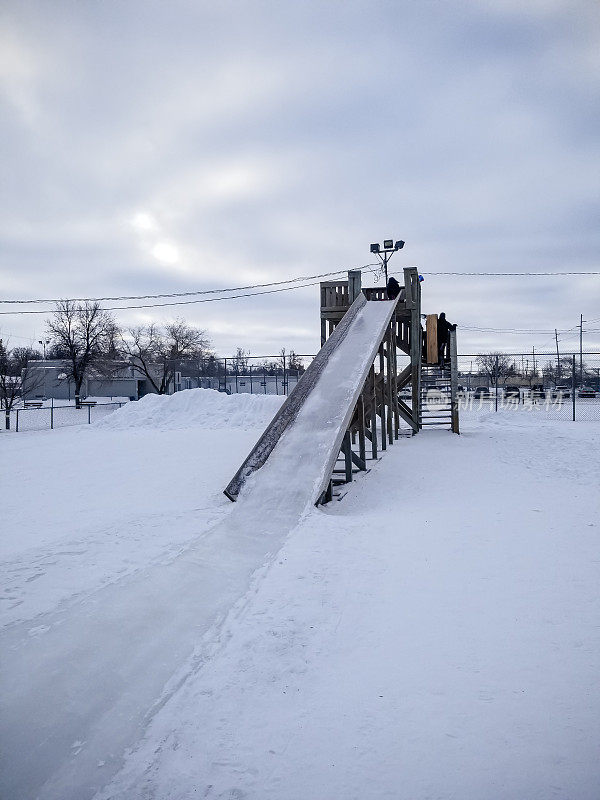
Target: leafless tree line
x,y
86,337
502,366
13,366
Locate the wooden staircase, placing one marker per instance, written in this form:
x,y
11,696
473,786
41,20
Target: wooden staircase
x,y
436,396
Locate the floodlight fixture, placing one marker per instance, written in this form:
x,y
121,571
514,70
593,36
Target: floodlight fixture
x,y
385,253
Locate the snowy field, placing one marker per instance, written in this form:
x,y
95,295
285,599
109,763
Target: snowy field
x,y
433,635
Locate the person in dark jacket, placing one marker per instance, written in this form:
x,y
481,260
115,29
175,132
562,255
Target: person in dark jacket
x,y
394,289
443,337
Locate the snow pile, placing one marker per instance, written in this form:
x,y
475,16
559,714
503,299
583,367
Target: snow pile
x,y
195,408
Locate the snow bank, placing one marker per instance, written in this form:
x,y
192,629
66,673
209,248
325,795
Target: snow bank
x,y
195,408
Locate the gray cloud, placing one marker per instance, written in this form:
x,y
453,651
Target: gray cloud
x,y
264,140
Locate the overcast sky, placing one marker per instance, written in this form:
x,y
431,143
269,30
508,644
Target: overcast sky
x,y
177,145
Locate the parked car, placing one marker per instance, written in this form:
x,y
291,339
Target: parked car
x,y
538,393
481,391
562,392
512,393
586,391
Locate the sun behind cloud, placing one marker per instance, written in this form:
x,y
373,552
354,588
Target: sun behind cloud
x,y
165,252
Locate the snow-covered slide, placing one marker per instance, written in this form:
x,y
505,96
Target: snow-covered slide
x,y
300,445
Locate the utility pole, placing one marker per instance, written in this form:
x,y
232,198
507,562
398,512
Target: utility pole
x,y
533,373
581,350
557,357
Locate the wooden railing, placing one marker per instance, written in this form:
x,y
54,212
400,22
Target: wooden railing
x,y
375,293
334,296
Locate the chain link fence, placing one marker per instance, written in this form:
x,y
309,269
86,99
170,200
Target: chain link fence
x,y
564,386
276,374
48,417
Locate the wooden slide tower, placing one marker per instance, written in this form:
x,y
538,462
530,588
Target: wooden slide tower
x,y
394,401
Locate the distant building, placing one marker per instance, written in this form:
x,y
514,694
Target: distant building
x,y
49,378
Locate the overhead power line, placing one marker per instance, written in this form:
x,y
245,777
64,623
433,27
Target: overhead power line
x,y
511,274
297,283
274,283
179,302
183,294
525,331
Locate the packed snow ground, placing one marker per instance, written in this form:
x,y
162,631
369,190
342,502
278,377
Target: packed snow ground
x,y
433,635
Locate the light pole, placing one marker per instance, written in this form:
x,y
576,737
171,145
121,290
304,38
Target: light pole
x,y
44,342
384,254
581,321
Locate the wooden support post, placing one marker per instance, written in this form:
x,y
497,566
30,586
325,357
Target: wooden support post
x,y
382,398
413,303
373,396
347,451
393,345
406,414
356,459
454,382
354,284
323,331
403,378
389,388
362,450
327,495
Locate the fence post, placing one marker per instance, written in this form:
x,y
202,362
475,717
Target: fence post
x,y
573,385
250,369
90,414
454,382
17,428
52,417
7,418
496,382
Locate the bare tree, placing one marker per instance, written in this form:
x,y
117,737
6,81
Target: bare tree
x,y
240,360
21,356
495,365
14,375
295,362
82,332
283,355
158,352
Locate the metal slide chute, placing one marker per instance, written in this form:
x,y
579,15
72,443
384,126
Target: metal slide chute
x,y
316,415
